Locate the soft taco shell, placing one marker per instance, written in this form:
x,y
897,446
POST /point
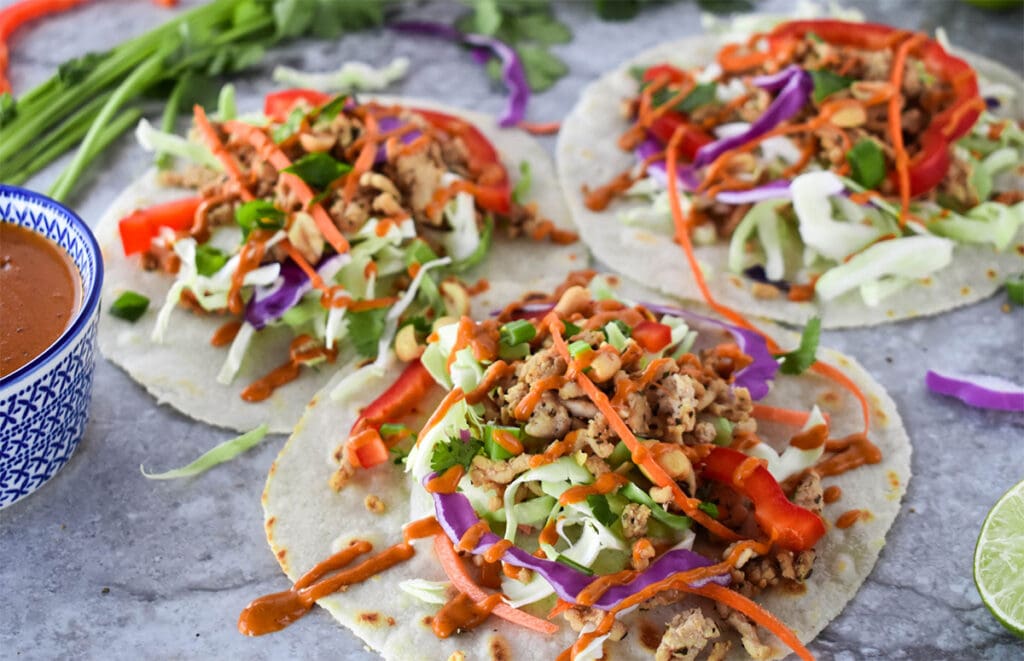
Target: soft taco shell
x,y
306,521
588,153
182,371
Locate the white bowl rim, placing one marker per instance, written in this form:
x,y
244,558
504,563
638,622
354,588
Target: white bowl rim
x,y
85,311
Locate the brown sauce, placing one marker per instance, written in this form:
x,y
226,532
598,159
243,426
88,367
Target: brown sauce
x,y
605,484
462,614
225,335
40,291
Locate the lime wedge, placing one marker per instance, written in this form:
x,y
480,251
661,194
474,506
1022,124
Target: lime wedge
x,y
999,560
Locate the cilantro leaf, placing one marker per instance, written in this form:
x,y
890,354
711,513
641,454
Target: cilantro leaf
x,y
455,451
827,83
289,127
542,68
318,169
801,359
365,329
701,95
602,512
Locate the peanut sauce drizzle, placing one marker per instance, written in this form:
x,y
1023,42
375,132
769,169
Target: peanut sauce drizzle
x,y
625,387
493,554
549,534
852,451
248,259
447,482
462,614
554,451
847,519
507,441
498,370
274,612
471,537
264,387
832,494
604,484
599,198
225,335
811,439
589,595
421,529
525,407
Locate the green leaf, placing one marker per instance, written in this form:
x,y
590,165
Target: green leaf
x,y
365,329
318,169
702,95
801,359
827,83
455,451
209,260
1015,288
486,17
226,451
332,108
129,306
617,10
602,512
867,163
260,214
522,187
289,127
542,68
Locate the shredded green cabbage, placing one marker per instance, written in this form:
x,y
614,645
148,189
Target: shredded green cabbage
x,y
226,451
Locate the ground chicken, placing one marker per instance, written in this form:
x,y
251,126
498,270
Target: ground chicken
x,y
686,637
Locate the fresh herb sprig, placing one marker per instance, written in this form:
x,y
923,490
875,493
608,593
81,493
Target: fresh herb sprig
x,y
89,100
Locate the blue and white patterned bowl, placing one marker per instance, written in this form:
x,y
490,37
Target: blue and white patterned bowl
x,y
45,403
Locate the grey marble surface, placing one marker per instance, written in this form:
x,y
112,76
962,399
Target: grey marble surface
x,y
102,563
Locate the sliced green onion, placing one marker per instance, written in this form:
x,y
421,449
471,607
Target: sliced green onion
x,y
723,431
517,352
209,260
579,348
1015,288
130,306
616,338
226,451
570,329
800,360
494,449
575,565
515,332
867,163
620,455
522,187
639,496
393,429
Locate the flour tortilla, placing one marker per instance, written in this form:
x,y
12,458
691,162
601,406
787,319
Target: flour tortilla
x,y
588,153
182,371
306,521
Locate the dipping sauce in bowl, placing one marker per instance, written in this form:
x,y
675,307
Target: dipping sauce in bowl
x,y
40,291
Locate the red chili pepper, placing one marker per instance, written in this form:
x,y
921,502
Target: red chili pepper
x,y
277,105
790,526
652,336
495,193
673,74
399,399
138,229
693,136
929,165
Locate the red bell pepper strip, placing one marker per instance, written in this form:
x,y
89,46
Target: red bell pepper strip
x,y
494,194
929,165
138,228
277,105
790,526
366,449
673,74
693,138
16,15
652,336
399,399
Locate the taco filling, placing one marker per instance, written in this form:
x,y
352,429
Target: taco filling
x,y
833,158
588,458
345,222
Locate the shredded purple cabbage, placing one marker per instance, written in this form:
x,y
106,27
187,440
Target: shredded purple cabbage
x,y
756,376
757,273
794,95
992,103
686,174
456,516
775,190
512,72
978,390
269,303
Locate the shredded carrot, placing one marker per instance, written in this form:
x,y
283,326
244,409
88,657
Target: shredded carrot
x,y
790,417
217,147
365,160
454,395
456,572
560,607
900,154
738,602
266,148
731,60
639,453
835,374
544,128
